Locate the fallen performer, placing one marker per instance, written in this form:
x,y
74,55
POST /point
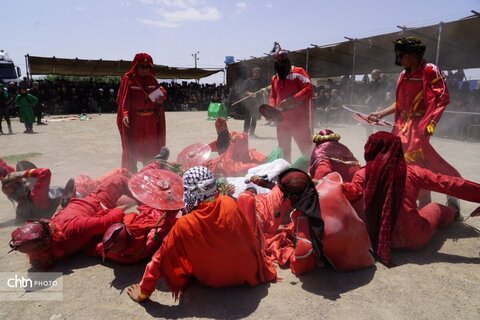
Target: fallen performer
x,y
212,243
390,189
72,228
234,156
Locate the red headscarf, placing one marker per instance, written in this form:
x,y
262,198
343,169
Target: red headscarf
x,y
385,175
140,58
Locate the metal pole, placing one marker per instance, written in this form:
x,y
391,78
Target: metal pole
x,y
352,82
194,55
440,26
307,60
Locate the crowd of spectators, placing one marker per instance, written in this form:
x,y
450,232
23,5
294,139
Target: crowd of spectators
x,y
98,95
375,91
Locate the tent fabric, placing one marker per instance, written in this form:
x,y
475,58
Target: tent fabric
x,y
459,49
99,67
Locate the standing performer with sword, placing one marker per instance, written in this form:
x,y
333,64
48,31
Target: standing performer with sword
x,y
422,96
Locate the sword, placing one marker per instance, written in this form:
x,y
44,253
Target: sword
x,y
362,117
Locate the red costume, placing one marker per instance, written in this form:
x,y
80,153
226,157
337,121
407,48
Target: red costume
x,y
263,213
330,155
146,133
414,227
421,99
390,189
296,122
214,244
37,203
74,227
5,169
147,230
237,158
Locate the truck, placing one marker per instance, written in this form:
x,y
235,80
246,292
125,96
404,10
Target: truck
x,y
9,72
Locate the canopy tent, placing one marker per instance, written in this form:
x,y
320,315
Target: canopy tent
x,y
452,45
83,67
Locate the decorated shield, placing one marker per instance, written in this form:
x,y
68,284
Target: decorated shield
x,y
270,113
194,155
158,189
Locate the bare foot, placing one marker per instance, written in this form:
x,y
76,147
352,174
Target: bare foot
x,y
135,293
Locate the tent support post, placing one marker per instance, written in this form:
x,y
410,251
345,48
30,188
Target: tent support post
x,y
439,39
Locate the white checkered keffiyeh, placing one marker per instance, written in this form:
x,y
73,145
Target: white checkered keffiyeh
x,y
198,185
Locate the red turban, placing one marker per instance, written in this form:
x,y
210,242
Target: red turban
x,y
385,175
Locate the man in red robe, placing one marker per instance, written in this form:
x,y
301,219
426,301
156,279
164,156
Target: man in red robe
x,y
212,243
234,156
390,189
72,228
292,94
140,116
330,155
422,96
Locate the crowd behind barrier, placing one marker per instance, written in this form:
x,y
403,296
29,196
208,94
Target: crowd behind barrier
x,y
98,95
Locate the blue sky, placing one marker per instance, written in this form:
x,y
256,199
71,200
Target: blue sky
x,y
171,30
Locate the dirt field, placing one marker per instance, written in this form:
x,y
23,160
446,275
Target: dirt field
x,y
442,281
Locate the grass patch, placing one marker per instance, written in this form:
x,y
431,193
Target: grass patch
x,y
14,158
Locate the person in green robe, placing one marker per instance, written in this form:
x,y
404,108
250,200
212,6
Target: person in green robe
x,y
26,102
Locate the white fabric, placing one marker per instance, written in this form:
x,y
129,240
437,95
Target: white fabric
x,y
271,169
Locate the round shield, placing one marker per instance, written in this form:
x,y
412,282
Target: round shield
x,y
270,113
158,189
24,165
194,155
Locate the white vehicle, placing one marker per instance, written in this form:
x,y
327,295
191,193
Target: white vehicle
x,y
9,72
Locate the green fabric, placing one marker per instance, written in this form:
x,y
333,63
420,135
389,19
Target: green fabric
x,y
301,163
276,153
217,110
26,104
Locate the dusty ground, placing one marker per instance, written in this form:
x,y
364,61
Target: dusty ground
x,y
442,281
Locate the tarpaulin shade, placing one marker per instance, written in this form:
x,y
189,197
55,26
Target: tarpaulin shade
x,y
82,67
458,48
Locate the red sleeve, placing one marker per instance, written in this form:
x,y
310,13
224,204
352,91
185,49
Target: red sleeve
x,y
97,225
452,186
151,275
324,167
123,97
39,194
354,190
435,85
305,84
272,100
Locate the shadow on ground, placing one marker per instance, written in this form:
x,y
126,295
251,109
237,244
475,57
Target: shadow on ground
x,y
430,253
330,284
204,302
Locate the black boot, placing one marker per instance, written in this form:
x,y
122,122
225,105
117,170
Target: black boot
x,y
164,154
10,131
455,205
